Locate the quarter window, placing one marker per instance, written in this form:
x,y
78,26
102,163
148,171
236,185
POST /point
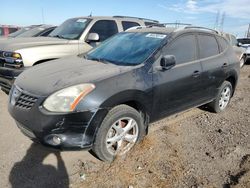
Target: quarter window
x,y
104,28
126,25
208,46
223,43
183,48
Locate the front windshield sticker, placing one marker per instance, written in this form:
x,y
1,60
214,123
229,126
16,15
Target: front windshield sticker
x,y
81,20
154,35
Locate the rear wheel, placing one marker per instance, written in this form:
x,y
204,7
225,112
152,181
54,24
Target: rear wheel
x,y
120,130
223,98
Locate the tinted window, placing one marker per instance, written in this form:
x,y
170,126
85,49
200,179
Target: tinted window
x,y
126,25
104,28
150,23
244,41
223,43
183,48
208,46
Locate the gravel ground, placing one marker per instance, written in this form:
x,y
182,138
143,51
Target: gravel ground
x,y
195,148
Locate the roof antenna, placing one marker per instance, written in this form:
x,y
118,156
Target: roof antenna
x,y
90,15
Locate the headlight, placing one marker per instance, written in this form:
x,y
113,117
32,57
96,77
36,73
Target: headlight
x,y
67,99
12,54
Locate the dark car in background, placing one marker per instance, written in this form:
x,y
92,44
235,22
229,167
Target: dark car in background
x,y
32,31
245,43
5,30
104,100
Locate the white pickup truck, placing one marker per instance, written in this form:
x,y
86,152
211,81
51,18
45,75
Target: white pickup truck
x,y
74,36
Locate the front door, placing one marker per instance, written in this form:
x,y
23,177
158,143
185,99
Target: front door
x,y
181,86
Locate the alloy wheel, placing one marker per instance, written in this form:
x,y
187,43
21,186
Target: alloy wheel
x,y
224,98
122,136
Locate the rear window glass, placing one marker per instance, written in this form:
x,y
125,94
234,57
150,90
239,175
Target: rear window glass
x,y
126,25
208,46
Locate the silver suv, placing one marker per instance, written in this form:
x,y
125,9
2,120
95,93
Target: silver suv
x,y
74,36
240,51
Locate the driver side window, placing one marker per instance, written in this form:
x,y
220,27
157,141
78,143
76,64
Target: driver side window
x,y
104,28
183,48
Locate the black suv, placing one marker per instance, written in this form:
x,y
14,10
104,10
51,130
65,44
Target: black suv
x,y
104,100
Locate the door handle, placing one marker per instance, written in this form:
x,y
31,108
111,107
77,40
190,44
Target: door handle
x,y
196,74
224,65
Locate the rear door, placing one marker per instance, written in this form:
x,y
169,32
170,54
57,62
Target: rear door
x,y
180,87
213,62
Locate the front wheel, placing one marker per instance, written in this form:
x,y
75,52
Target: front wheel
x,y
120,130
223,98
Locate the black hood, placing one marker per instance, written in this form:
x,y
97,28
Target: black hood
x,y
54,75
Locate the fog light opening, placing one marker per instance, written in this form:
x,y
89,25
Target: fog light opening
x,y
56,140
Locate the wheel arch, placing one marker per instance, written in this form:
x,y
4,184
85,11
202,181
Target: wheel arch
x,y
42,61
136,99
233,80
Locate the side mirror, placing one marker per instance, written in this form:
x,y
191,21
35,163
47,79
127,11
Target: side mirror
x,y
167,62
93,37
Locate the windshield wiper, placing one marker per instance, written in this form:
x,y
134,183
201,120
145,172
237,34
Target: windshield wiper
x,y
59,36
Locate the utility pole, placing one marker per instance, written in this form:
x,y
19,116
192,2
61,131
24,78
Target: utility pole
x,y
222,21
248,31
217,20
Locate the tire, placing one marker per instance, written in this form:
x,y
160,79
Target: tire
x,y
113,135
242,61
220,104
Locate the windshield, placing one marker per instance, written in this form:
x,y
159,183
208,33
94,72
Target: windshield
x,y
127,48
70,29
244,41
20,31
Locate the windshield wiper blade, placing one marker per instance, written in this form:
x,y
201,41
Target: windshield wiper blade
x,y
59,36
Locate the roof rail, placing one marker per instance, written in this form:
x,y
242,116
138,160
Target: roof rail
x,y
177,24
203,28
144,19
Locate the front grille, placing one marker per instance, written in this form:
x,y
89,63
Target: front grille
x,y
26,101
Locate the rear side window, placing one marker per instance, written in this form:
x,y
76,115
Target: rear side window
x,y
183,48
208,46
126,25
223,43
104,28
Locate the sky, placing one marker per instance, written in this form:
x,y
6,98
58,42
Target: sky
x,y
234,14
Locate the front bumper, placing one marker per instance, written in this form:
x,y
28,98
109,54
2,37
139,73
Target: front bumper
x,y
7,77
75,130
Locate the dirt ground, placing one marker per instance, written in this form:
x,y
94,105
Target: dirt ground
x,y
196,148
